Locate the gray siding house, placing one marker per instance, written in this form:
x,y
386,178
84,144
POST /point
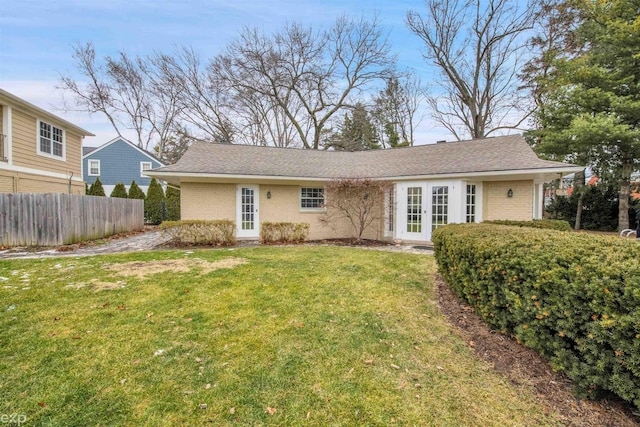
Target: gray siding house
x,y
117,161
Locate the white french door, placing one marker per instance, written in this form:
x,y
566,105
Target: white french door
x,y
247,219
422,207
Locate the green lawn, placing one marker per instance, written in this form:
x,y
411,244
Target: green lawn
x,y
280,336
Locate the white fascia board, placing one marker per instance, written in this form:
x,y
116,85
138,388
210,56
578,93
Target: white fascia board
x,y
204,175
559,170
26,105
200,175
23,169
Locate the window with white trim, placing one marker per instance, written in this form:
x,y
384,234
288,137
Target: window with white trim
x,y
471,203
94,167
391,209
311,198
51,140
439,206
144,166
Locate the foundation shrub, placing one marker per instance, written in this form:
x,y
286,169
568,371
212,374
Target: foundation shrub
x,y
574,298
217,232
548,224
283,232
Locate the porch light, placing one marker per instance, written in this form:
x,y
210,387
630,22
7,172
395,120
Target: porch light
x,y
268,194
510,193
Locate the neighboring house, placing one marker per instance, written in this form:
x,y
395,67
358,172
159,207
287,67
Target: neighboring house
x,y
469,181
39,151
118,161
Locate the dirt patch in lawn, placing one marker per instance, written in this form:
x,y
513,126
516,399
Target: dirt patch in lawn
x,y
141,269
524,367
98,286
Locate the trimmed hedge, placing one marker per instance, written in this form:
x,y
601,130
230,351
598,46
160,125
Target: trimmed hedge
x,y
575,298
283,232
548,224
217,233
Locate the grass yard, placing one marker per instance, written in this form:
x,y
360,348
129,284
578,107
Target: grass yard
x,y
310,336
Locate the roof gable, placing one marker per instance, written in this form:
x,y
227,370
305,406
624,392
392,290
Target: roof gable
x,y
91,151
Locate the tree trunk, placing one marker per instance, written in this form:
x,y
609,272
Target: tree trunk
x,y
578,187
625,192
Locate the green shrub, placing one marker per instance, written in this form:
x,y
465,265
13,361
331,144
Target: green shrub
x,y
153,203
574,298
283,232
119,191
548,224
96,188
135,192
218,232
172,201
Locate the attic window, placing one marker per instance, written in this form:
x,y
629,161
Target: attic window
x,y
51,140
144,166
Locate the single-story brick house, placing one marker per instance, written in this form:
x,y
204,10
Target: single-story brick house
x,y
432,185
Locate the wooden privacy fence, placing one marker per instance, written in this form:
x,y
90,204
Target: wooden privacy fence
x,y
28,219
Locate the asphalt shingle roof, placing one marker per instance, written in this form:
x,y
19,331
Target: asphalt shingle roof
x,y
503,153
87,150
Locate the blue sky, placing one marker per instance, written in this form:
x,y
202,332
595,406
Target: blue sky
x,y
36,38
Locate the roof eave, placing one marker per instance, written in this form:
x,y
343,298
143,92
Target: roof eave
x,y
205,175
25,104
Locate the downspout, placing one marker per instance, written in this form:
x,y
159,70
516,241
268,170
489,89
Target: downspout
x,y
69,186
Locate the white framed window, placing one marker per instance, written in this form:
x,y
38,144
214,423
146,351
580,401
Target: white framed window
x,y
144,166
439,206
311,198
471,203
94,167
391,210
51,141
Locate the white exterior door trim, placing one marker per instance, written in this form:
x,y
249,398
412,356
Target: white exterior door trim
x,y
454,208
247,211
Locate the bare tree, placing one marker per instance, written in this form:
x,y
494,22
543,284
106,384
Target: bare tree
x,y
308,76
203,99
396,109
281,89
476,46
131,92
360,201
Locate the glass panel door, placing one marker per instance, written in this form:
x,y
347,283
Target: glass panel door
x,y
247,223
439,206
414,210
248,207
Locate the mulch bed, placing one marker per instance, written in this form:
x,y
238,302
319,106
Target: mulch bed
x,y
524,367
350,242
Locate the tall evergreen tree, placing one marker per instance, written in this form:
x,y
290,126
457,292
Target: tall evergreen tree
x,y
153,203
592,111
357,133
172,202
97,189
135,192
